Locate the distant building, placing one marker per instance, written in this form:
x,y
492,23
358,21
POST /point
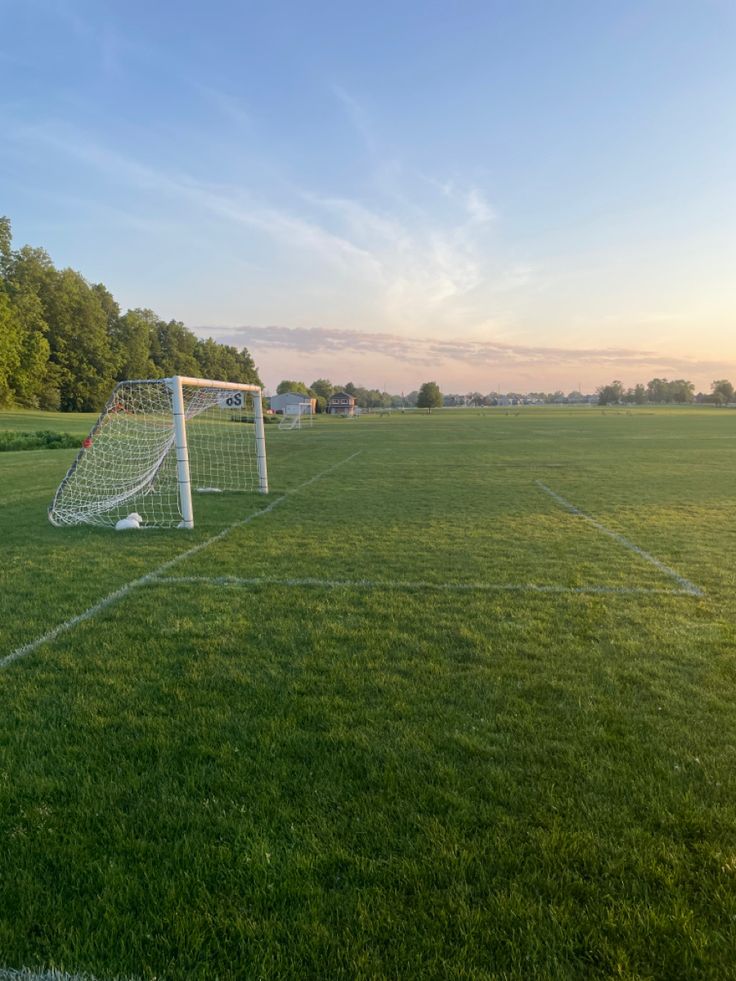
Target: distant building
x,y
341,404
293,403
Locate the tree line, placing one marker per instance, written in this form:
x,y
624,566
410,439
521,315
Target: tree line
x,y
427,396
660,391
64,341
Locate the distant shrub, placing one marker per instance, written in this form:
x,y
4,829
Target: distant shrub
x,y
41,440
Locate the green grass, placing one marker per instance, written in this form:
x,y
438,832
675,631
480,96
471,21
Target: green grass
x,y
386,778
76,423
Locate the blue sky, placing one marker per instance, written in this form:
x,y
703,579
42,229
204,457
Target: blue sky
x,y
525,194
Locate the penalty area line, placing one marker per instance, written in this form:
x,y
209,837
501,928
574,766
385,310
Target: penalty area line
x,y
149,577
685,584
410,586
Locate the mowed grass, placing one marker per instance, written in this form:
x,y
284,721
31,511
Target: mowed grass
x,y
417,721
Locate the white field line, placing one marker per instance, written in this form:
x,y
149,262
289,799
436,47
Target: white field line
x,y
443,587
123,591
685,584
26,974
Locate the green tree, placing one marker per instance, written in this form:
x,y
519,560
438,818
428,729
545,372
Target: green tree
x,y
28,378
323,389
6,239
80,346
722,391
639,393
361,396
173,349
610,394
430,396
131,341
63,341
108,304
658,390
11,348
36,381
681,391
299,388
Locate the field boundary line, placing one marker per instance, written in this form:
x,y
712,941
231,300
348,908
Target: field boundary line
x,y
27,974
418,586
123,591
685,584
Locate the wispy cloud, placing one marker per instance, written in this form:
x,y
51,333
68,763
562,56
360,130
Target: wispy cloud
x,y
413,269
426,266
476,353
228,203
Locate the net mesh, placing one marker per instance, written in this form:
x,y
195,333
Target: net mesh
x,y
128,462
296,417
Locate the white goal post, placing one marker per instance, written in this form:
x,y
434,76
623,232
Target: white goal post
x,y
154,441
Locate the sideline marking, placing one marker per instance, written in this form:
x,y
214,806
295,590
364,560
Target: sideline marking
x,y
26,974
447,587
685,584
123,591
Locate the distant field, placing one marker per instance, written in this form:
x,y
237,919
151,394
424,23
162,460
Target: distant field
x,y
459,706
25,420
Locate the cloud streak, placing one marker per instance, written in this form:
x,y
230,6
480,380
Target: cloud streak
x,y
408,266
478,354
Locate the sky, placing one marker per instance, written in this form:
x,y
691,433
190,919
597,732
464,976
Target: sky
x,y
524,195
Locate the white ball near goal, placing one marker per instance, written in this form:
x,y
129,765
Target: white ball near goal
x,y
132,521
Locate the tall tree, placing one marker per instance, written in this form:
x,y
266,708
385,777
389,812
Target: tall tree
x,y
11,348
29,379
6,239
639,393
430,396
323,388
610,394
172,349
722,391
79,341
658,390
225,362
299,388
681,391
131,342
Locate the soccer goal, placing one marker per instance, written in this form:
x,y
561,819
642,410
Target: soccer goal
x,y
158,440
297,416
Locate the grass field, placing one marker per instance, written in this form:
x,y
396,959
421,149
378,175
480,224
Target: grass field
x,y
459,705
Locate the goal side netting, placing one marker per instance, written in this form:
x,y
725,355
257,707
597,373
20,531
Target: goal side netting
x,y
156,444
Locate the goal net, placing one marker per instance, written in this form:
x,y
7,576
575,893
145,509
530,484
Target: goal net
x,y
156,442
297,416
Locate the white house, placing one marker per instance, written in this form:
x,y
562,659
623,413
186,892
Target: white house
x,y
293,404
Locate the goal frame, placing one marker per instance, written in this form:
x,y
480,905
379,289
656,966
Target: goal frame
x,y
176,385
